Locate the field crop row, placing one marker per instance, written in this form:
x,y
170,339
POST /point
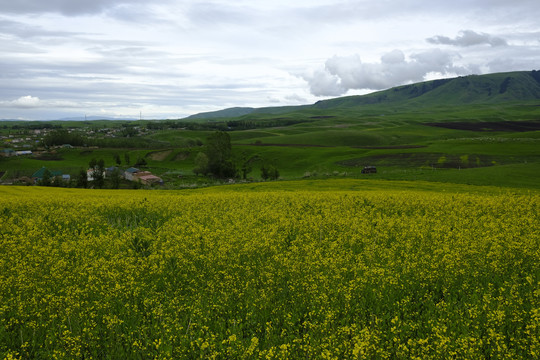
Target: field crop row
x,y
268,274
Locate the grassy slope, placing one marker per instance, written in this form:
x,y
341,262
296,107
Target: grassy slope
x,y
340,136
358,134
350,136
347,184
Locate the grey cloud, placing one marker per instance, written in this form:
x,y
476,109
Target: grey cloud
x,y
468,38
212,13
323,83
517,58
136,52
491,11
347,73
25,31
142,13
393,57
65,7
295,98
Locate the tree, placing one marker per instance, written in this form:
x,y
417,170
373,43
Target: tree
x,y
201,164
116,178
82,179
219,153
98,168
62,136
274,173
128,131
126,158
140,162
247,164
117,159
46,180
269,172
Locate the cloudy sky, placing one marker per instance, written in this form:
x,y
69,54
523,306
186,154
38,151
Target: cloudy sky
x,y
174,58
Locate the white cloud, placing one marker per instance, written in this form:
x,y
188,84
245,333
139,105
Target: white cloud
x,y
173,57
25,102
342,74
29,102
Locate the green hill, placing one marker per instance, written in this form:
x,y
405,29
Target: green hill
x,y
231,112
477,129
482,130
463,90
472,89
241,111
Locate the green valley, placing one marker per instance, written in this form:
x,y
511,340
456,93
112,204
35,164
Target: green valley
x,y
481,130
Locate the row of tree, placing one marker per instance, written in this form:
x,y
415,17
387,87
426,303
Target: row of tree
x,y
224,125
96,172
127,139
217,160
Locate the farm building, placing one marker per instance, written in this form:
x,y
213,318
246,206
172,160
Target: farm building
x,y
110,170
38,175
144,177
369,170
129,174
7,152
148,178
90,174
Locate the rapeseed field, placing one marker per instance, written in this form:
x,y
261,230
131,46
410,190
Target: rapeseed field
x,y
379,274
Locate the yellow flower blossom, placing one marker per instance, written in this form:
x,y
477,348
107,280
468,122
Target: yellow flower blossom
x,y
227,273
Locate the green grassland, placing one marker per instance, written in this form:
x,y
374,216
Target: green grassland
x,y
467,130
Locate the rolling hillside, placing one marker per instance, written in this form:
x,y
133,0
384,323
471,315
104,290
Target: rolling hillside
x,y
482,130
472,89
478,129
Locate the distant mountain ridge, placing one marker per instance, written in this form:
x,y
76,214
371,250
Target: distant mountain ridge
x,y
230,112
472,89
92,118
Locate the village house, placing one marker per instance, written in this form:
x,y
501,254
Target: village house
x,y
7,152
129,174
110,170
147,178
144,177
90,174
38,175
